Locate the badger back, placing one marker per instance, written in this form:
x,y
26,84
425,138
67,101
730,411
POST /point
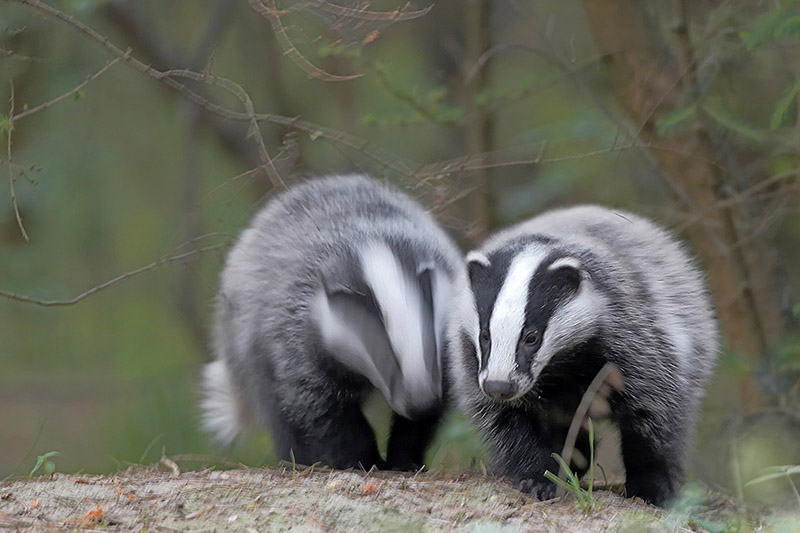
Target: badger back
x,y
349,269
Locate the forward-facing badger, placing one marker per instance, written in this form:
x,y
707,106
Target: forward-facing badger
x,y
552,300
340,286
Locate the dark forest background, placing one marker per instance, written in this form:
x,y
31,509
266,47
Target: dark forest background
x,y
138,137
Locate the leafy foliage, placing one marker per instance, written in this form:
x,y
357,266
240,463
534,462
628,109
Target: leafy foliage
x,y
733,123
5,125
778,472
782,107
782,21
420,104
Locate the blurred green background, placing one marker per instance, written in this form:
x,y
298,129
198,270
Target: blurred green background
x,y
487,111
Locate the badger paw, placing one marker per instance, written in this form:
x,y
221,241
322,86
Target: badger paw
x,y
540,488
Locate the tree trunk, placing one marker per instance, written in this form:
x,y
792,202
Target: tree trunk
x,y
480,130
650,81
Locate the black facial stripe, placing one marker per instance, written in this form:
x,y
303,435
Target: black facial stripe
x,y
487,281
548,290
486,284
468,349
407,254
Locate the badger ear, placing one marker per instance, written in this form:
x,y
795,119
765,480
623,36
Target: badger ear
x,y
570,270
476,262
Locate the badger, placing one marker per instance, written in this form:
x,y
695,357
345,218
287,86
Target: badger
x,y
553,299
340,286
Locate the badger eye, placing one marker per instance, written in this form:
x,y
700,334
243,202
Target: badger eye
x,y
532,338
484,338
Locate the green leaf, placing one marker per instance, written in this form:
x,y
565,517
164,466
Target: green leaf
x,y
789,27
368,119
44,460
39,461
448,114
766,28
5,125
775,472
675,118
558,481
783,105
733,124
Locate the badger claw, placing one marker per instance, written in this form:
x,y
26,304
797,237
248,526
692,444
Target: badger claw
x,y
540,488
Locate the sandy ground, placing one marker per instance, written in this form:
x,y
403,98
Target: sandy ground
x,y
273,499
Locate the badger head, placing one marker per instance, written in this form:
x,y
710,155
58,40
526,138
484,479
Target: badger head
x,y
382,315
533,303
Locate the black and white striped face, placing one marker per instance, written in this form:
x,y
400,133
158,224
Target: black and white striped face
x,y
532,303
383,317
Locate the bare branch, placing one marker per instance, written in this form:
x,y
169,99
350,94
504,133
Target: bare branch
x,y
69,93
386,159
10,166
243,97
396,15
473,162
98,288
267,9
140,34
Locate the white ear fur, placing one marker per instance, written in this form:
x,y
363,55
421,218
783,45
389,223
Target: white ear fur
x,y
572,262
478,257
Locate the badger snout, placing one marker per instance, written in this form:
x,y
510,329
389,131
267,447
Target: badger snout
x,y
499,390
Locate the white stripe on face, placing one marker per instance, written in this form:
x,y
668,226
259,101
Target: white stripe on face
x,y
508,315
400,303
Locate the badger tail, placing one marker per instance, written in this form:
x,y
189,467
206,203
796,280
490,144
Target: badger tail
x,y
219,404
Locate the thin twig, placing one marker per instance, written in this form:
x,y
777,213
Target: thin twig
x,y
396,15
315,131
11,119
243,97
580,413
169,463
98,288
475,161
74,90
269,10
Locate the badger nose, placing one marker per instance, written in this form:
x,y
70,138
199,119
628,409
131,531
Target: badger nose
x,y
499,390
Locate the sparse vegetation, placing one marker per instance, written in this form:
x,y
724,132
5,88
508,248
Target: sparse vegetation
x,y
584,496
44,462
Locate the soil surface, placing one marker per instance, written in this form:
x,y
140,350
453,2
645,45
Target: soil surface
x,y
273,499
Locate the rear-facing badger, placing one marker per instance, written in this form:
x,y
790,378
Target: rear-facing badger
x,y
340,286
555,298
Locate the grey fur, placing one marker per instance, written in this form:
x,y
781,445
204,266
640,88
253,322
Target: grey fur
x,y
644,308
299,270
